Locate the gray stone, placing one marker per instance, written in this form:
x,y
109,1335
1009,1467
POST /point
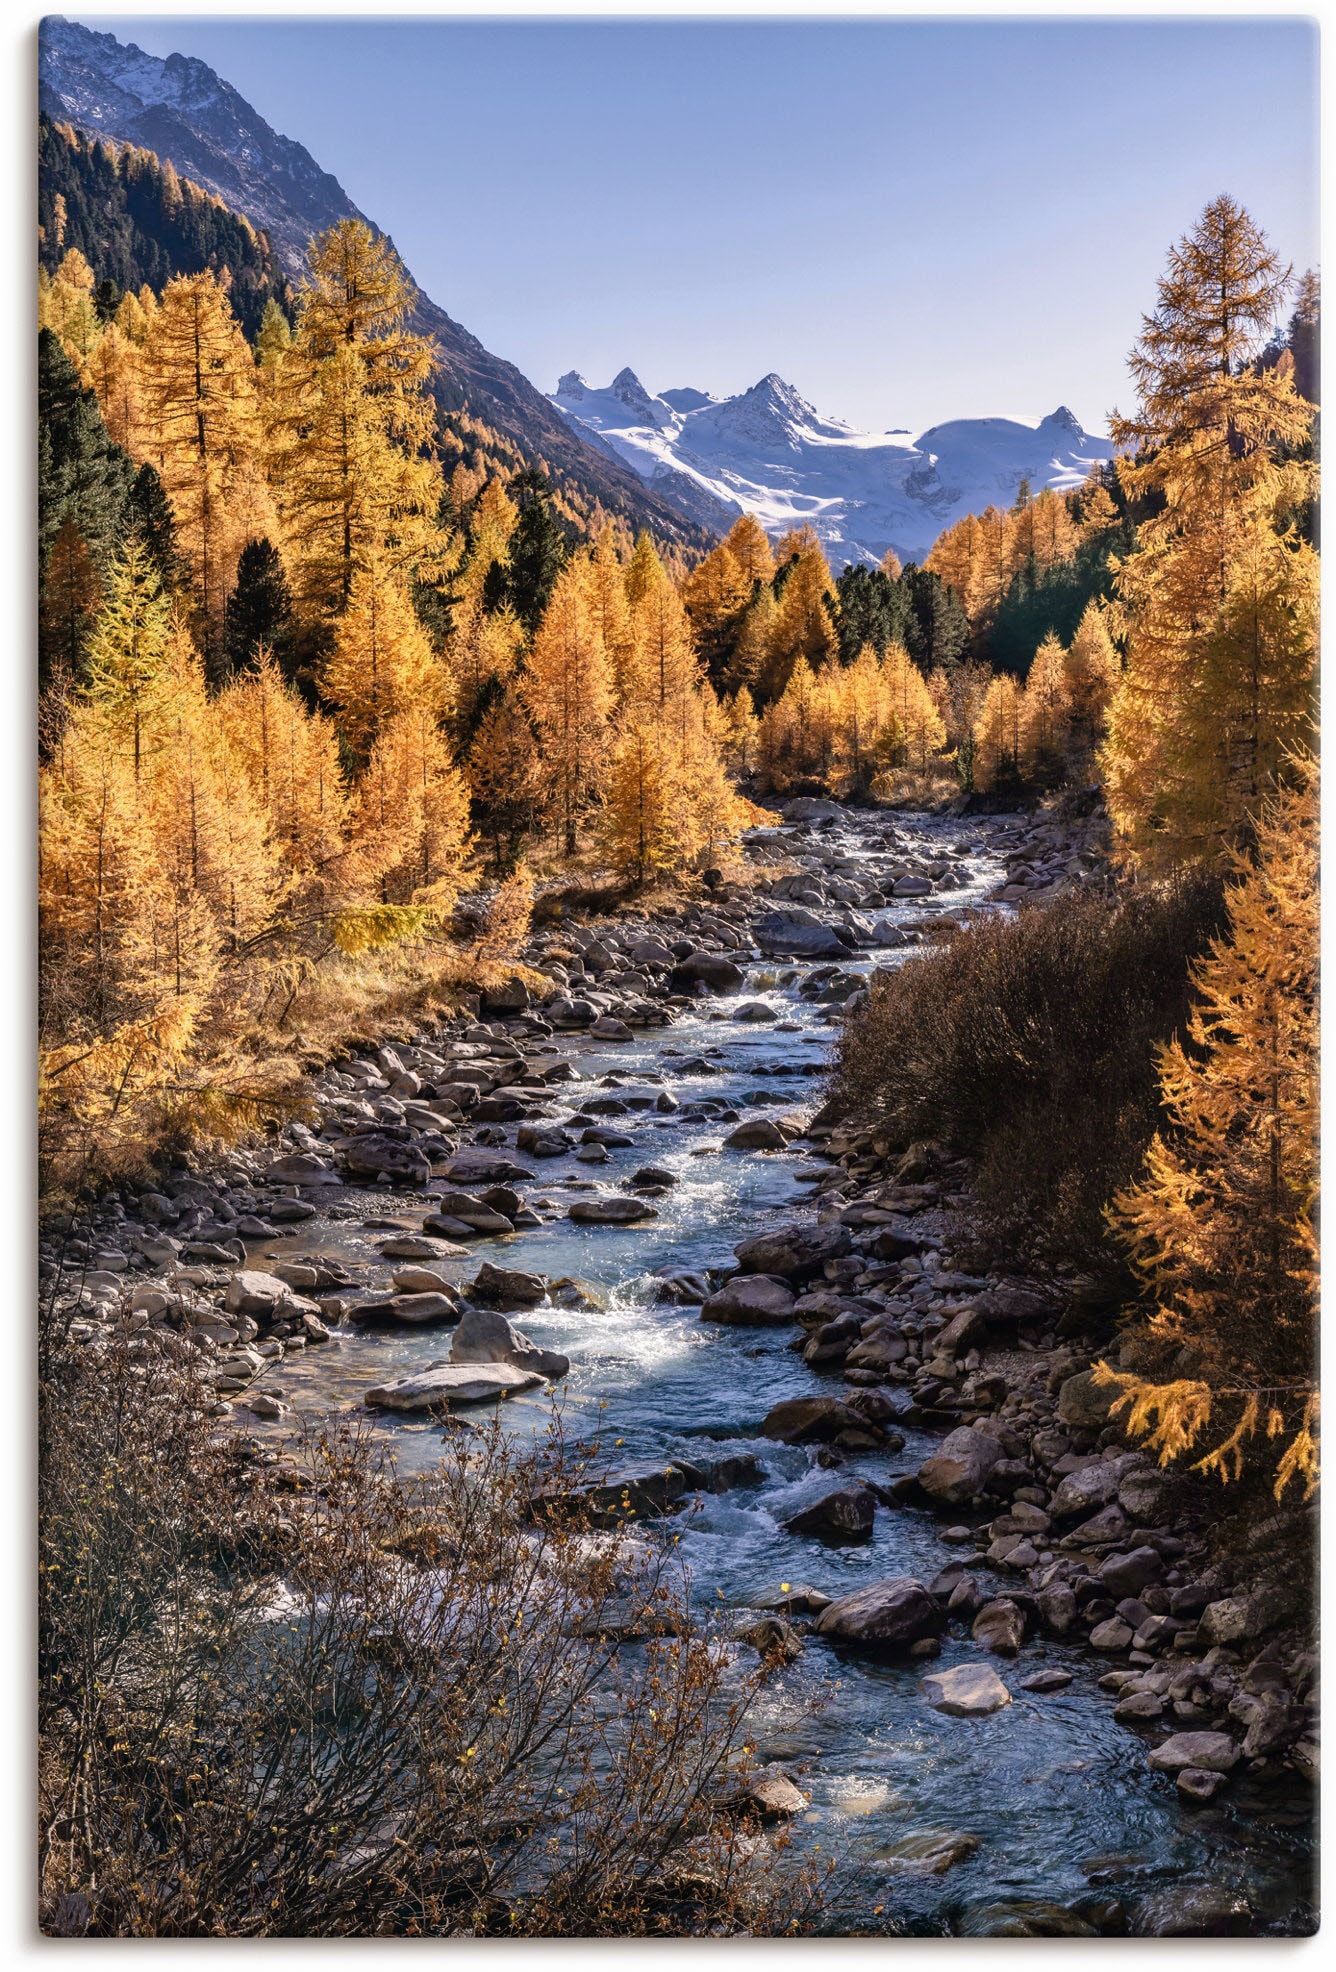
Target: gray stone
x,y
610,1211
891,1613
1215,1752
1000,1627
1083,1403
844,1515
751,1301
793,1252
968,1691
504,1287
484,1336
441,1386
959,1469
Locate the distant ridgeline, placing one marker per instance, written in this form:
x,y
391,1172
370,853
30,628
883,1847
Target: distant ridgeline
x,y
136,222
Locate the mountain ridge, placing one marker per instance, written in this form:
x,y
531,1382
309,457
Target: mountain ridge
x,y
183,110
767,451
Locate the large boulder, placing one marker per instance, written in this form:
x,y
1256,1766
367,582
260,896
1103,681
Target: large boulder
x,y
1085,1404
301,1167
959,1469
967,1691
441,1386
638,1492
793,1252
710,969
811,1420
798,933
751,1301
887,1614
484,1336
1233,1620
511,996
504,1287
761,1133
1210,1752
374,1156
1084,1492
1000,1627
253,1293
844,1515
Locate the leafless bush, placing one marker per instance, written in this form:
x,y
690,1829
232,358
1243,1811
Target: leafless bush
x,y
314,1698
1030,1045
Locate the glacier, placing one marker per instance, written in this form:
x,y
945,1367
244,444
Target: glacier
x,y
769,453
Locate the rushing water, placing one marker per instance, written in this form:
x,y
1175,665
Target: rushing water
x,y
1057,1792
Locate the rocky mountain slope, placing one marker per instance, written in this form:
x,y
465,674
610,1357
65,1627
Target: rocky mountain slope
x,y
768,452
181,109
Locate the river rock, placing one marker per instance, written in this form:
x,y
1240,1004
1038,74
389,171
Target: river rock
x,y
1085,1404
844,1515
478,1166
424,1280
608,1028
1195,1910
427,1306
409,1246
638,1492
959,1469
302,1167
1000,1627
373,1156
484,1336
442,1385
810,1420
710,969
887,1614
756,1011
253,1293
1215,1752
541,1140
504,1287
1084,1491
1196,1783
968,1691
929,1854
793,1252
798,933
1235,1619
760,1133
511,996
773,1640
611,1211
768,1795
751,1301
1128,1574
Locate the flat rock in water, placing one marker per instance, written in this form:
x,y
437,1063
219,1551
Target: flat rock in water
x,y
610,1211
410,1246
1212,1752
968,1691
507,1287
441,1386
929,1854
483,1167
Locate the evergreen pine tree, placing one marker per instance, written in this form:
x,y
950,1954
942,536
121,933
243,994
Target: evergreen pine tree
x,y
538,548
259,608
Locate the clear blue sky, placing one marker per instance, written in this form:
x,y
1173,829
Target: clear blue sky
x,y
909,220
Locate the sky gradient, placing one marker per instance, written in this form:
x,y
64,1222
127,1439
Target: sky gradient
x,y
908,220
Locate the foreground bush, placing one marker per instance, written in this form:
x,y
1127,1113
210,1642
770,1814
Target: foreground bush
x,y
1030,1045
313,1698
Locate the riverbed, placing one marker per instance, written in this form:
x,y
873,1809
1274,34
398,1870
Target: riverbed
x,y
1063,1813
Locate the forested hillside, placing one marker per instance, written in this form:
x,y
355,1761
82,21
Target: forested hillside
x,y
136,223
194,122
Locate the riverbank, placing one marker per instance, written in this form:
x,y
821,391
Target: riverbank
x,y
577,1168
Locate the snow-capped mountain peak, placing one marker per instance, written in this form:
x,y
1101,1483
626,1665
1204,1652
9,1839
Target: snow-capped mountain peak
x,y
767,451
